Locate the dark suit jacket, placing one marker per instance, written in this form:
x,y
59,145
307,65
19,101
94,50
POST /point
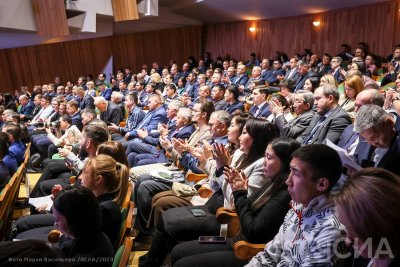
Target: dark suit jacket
x,y
151,121
295,127
235,106
87,102
390,160
77,120
35,111
331,128
106,94
112,114
220,105
241,80
27,109
263,112
348,137
295,76
272,79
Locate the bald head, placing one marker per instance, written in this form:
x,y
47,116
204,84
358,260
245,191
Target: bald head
x,y
369,96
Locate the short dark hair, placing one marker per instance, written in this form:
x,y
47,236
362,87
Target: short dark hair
x,y
81,210
234,90
96,133
324,161
14,129
66,119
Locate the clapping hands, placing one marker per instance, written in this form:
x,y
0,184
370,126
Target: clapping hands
x,y
237,180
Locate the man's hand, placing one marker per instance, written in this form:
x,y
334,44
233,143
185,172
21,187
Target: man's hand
x,y
142,133
113,128
164,142
127,136
221,155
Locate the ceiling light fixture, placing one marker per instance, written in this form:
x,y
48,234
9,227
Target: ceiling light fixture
x,y
252,29
316,23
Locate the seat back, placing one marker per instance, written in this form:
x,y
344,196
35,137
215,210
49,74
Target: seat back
x,y
8,201
127,199
122,256
127,224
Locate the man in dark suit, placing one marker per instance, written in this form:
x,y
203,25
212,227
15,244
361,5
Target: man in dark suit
x,y
379,144
260,106
336,69
330,120
272,79
105,92
265,68
304,70
154,116
241,76
27,106
85,101
292,74
73,112
255,76
325,66
109,112
349,139
303,104
184,129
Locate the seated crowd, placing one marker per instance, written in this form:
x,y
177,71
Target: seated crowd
x,y
262,141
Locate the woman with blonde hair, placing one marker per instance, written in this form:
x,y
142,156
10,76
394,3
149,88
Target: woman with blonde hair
x,y
328,79
91,89
352,87
368,207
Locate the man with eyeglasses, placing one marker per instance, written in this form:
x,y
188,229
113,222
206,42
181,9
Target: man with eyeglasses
x,y
303,101
336,69
135,116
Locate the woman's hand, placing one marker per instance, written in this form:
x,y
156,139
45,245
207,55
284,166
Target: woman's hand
x,y
221,155
55,190
237,180
64,152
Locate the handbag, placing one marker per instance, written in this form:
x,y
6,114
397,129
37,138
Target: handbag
x,y
183,190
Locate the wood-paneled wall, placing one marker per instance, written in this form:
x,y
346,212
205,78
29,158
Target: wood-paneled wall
x,y
377,25
40,64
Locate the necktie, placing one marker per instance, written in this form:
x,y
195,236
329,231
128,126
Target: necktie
x,y
310,136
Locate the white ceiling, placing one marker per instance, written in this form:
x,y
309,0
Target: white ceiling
x,y
178,13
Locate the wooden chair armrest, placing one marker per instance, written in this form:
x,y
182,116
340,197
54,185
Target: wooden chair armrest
x,y
54,236
224,215
193,177
204,192
245,250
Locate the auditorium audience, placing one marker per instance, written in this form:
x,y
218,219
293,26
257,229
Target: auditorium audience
x,y
260,214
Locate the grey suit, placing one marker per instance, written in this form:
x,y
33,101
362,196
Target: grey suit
x,y
331,128
295,127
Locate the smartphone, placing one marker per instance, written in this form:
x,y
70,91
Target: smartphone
x,y
198,212
212,239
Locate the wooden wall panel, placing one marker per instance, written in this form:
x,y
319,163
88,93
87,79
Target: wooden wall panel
x,y
125,10
377,25
135,49
40,64
50,17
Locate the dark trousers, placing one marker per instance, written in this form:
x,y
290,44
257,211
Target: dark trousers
x,y
52,170
193,254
